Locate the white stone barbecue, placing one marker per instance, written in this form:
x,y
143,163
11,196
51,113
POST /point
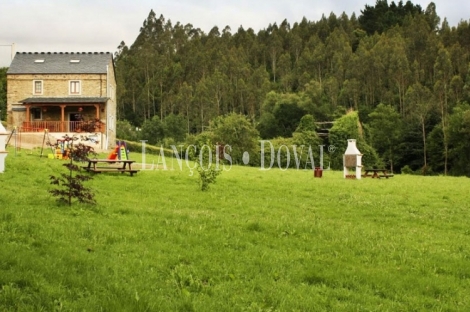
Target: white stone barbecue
x,y
352,161
3,142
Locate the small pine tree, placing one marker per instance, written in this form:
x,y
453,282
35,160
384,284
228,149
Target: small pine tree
x,y
70,185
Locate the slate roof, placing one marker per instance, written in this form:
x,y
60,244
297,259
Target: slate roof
x,y
60,63
61,100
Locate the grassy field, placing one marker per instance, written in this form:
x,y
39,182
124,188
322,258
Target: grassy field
x,y
256,241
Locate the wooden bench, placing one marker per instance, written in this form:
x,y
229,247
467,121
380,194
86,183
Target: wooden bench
x,y
377,173
126,166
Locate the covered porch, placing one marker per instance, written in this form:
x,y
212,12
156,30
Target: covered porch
x,y
64,114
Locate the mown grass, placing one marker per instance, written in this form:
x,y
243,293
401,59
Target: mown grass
x,y
256,241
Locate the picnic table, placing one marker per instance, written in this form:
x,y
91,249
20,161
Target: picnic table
x,y
377,173
94,166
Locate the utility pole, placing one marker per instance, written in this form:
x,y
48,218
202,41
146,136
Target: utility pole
x,y
12,47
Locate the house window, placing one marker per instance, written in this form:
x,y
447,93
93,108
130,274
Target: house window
x,y
75,87
37,87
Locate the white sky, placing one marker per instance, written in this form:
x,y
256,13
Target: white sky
x,y
100,25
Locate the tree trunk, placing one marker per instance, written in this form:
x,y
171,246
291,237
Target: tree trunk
x,y
273,63
161,101
423,129
446,152
187,115
444,126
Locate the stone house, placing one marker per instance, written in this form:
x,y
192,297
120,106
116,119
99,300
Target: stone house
x,y
65,93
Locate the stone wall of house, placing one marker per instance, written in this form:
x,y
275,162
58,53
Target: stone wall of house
x,y
20,87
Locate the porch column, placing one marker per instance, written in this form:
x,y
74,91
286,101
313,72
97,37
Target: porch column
x,y
28,117
62,118
97,107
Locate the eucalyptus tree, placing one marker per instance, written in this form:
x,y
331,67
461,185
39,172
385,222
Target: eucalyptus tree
x,y
399,71
366,70
443,72
258,86
285,73
185,98
311,63
201,100
274,50
421,104
385,132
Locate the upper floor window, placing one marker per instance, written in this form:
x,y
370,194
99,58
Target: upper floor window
x,y
74,87
37,87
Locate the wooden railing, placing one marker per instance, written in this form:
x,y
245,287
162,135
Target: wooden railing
x,y
59,126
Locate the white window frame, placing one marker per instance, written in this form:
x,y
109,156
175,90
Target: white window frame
x,y
72,91
34,87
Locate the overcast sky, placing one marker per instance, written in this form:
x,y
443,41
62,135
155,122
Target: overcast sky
x,y
100,25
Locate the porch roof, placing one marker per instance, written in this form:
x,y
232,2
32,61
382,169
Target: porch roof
x,y
64,100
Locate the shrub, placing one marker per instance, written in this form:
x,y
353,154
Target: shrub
x,y
153,130
206,169
238,132
175,127
406,170
125,131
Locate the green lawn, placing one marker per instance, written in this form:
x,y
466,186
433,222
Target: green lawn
x,y
256,241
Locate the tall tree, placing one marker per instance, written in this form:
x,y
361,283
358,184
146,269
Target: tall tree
x,y
185,100
421,104
385,127
431,16
285,72
275,50
443,76
399,69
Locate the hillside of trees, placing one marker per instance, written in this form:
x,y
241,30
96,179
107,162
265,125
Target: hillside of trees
x,y
402,70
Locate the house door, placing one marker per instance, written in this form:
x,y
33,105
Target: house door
x,y
74,123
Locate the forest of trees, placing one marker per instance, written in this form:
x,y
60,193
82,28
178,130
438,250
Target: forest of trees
x,y
401,70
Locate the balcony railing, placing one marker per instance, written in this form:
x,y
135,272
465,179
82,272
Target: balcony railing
x,y
62,126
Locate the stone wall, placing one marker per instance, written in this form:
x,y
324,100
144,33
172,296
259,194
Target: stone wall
x,y
30,140
20,87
